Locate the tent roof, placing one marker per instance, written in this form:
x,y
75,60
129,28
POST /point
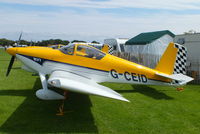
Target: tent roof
x,y
145,38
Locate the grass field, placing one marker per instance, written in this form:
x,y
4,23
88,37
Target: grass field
x,y
152,110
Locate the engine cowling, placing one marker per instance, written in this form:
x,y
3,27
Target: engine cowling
x,y
46,94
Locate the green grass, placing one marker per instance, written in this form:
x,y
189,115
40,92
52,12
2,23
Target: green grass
x,y
152,110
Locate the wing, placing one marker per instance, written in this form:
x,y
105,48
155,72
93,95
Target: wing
x,y
81,84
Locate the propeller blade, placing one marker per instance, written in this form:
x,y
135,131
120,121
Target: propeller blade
x,y
10,65
19,40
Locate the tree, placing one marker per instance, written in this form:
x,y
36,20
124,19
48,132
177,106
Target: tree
x,y
78,41
23,42
95,42
65,42
6,42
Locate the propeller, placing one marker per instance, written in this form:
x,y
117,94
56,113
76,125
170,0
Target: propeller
x,y
13,57
10,65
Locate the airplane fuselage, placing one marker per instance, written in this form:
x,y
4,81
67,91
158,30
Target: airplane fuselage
x,y
108,69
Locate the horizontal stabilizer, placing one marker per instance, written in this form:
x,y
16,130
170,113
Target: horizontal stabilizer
x,y
182,79
76,83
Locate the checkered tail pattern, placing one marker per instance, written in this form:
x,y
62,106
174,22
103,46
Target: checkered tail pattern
x,y
180,64
110,50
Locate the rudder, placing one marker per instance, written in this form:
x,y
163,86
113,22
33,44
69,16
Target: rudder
x,y
181,58
173,61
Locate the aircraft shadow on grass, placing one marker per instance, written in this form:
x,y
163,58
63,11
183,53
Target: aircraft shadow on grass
x,y
147,91
35,115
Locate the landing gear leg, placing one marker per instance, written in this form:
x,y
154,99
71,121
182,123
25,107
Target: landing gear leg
x,y
43,81
45,93
61,108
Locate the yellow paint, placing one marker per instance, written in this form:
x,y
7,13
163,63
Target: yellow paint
x,y
166,64
105,48
107,63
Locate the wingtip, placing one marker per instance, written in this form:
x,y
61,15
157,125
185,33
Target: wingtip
x,y
123,99
126,100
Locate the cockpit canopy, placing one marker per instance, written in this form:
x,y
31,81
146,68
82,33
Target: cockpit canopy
x,y
82,50
68,49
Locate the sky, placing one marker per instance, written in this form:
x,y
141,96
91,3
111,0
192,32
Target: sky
x,y
95,19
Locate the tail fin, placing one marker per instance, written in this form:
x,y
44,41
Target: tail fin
x,y
173,64
107,49
173,60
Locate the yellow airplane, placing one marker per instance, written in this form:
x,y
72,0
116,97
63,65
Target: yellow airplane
x,y
80,67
